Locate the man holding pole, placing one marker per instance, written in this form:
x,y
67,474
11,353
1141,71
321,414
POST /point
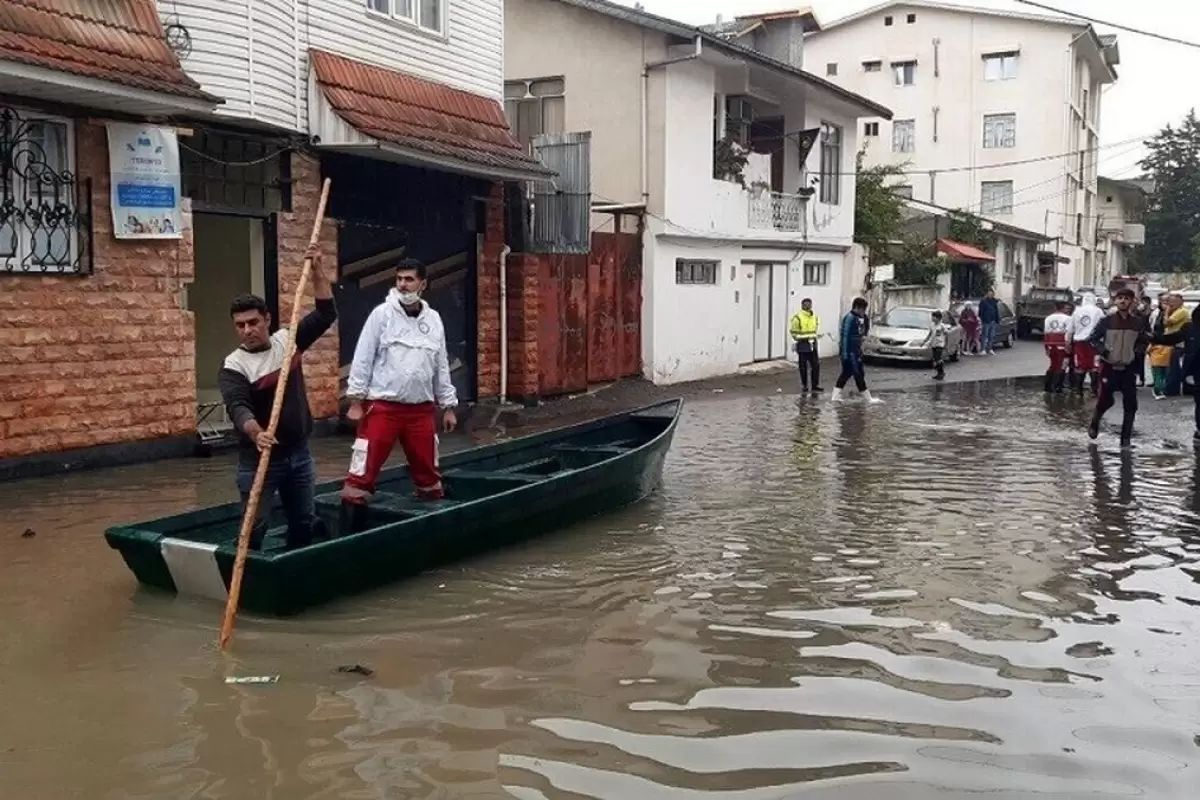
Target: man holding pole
x,y
248,380
399,376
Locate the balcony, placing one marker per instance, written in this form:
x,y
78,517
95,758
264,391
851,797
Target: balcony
x,y
776,211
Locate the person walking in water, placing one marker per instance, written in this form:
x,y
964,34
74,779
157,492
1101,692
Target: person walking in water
x,y
805,327
1083,324
1117,339
399,376
853,330
1056,338
989,321
937,341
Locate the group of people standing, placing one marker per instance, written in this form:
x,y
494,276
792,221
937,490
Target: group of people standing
x,y
805,329
980,327
1110,349
399,379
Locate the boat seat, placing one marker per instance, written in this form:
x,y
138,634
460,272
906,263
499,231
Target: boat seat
x,y
604,449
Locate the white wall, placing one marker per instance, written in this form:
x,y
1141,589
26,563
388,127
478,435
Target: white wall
x,y
830,223
1040,96
229,37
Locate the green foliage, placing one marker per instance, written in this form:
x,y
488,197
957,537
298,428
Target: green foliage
x,y
917,263
729,160
967,228
1173,215
878,212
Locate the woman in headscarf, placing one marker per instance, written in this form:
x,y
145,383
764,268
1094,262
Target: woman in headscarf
x,y
969,321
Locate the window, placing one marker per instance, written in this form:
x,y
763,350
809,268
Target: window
x,y
911,18
904,73
694,271
427,14
996,197
904,191
999,130
872,66
887,22
870,129
831,164
831,69
534,107
816,273
904,136
37,184
1010,261
999,66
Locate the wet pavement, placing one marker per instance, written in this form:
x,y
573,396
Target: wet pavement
x,y
952,595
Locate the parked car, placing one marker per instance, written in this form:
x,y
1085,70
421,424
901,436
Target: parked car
x,y
903,335
1006,332
1037,304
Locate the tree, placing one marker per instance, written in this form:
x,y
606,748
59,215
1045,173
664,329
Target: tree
x,y
878,211
1173,215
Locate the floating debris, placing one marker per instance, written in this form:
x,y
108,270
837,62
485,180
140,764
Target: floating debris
x,y
252,679
29,533
356,669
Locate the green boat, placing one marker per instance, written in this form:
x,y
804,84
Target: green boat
x,y
495,495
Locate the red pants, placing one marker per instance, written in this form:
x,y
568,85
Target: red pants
x,y
1057,353
1085,357
382,425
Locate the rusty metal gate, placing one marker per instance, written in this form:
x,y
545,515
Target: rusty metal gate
x,y
591,314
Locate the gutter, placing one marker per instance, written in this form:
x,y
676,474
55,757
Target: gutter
x,y
645,170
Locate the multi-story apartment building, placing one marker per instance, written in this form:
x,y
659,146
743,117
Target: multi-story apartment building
x,y
995,112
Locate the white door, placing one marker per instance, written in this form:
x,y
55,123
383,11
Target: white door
x,y
779,310
762,312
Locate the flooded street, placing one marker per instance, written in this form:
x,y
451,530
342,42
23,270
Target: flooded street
x,y
949,595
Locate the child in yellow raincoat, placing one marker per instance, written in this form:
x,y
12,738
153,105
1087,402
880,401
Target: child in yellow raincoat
x,y
1174,317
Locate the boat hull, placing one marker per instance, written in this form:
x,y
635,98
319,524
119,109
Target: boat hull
x,y
496,496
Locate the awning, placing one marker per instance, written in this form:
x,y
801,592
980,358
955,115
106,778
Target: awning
x,y
961,251
107,55
367,110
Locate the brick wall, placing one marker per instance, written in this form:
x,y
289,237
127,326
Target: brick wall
x,y
100,359
522,303
321,368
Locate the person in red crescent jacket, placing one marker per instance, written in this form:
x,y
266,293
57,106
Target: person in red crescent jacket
x,y
1056,337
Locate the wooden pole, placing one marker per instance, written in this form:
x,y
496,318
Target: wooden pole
x,y
264,458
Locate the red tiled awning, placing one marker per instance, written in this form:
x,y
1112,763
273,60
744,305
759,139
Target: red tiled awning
x,y
118,41
961,251
422,121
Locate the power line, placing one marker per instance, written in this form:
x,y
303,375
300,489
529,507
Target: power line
x,y
1095,21
1018,162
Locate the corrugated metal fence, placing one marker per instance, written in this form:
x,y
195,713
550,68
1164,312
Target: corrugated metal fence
x,y
562,208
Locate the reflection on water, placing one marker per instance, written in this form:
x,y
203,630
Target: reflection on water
x,y
949,595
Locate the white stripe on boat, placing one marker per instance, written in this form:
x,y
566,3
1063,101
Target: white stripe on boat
x,y
193,567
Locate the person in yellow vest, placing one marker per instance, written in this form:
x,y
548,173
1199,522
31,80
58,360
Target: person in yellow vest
x,y
805,327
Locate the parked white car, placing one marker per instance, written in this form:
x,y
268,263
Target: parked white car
x,y
903,335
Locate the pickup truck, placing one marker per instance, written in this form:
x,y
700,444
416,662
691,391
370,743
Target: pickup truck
x,y
1035,306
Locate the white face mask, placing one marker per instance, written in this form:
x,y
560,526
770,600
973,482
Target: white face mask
x,y
409,298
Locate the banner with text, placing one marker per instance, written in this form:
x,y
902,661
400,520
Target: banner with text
x,y
143,163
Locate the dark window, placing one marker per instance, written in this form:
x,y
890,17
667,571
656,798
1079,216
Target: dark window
x,y
911,18
887,21
870,129
696,271
816,273
831,69
872,66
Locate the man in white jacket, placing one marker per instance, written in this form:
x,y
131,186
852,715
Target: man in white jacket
x,y
399,376
1083,322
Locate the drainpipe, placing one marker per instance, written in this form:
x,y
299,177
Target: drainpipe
x,y
504,323
646,111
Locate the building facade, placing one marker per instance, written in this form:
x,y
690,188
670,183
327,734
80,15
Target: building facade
x,y
1121,226
996,113
397,103
729,250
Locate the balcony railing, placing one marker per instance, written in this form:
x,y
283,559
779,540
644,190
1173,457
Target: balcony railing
x,y
776,211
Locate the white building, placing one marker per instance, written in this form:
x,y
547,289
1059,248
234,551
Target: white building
x,y
995,112
1120,227
724,266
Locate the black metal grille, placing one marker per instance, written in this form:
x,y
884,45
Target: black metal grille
x,y
45,210
227,171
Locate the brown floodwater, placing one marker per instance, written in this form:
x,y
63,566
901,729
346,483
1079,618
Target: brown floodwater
x,y
952,595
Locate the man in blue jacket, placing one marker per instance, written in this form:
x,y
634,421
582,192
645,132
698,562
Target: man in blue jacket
x,y
853,330
989,323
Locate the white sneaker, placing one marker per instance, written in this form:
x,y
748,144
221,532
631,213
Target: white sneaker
x,y
870,398
836,397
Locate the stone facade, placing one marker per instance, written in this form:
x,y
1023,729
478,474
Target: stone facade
x,y
98,359
522,304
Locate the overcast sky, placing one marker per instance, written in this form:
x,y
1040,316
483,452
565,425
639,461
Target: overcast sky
x,y
1157,80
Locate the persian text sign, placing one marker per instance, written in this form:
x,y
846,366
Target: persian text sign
x,y
143,163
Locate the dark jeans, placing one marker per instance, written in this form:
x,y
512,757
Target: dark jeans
x,y
1174,385
1113,381
852,367
292,476
810,364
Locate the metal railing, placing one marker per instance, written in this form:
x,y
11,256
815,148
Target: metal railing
x,y
777,211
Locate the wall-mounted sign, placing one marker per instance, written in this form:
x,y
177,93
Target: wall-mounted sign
x,y
143,164
883,272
